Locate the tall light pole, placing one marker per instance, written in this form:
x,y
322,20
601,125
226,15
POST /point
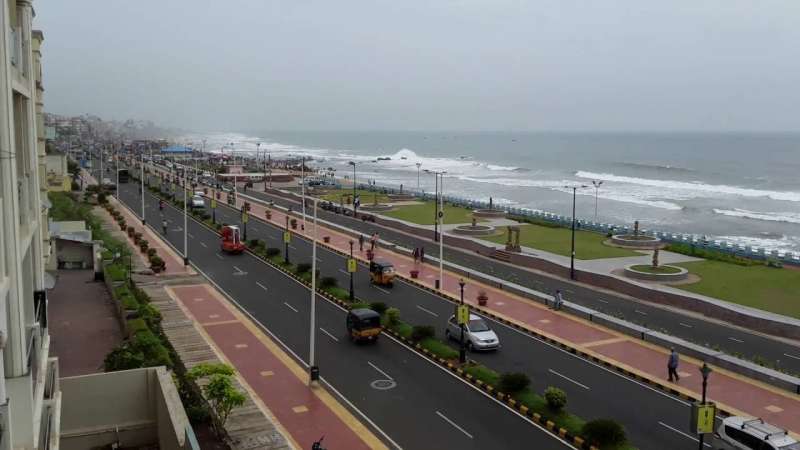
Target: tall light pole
x,y
185,221
705,371
441,230
142,180
352,289
572,253
303,188
116,165
597,185
462,350
355,205
313,370
419,164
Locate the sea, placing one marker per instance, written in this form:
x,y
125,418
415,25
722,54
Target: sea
x,y
739,187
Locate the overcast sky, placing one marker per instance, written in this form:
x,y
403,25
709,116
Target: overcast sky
x,y
426,64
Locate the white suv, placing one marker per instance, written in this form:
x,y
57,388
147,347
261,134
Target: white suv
x,y
477,334
744,433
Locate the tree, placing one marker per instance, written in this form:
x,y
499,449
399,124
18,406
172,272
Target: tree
x,y
219,391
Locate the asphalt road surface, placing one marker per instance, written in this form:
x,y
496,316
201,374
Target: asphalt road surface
x,y
427,408
652,418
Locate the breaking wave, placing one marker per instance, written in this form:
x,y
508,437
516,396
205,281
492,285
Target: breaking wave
x,y
787,217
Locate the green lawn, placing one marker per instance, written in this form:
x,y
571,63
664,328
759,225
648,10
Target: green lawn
x,y
588,245
660,269
762,287
424,213
367,197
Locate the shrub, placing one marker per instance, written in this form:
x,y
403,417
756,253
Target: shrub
x,y
151,252
101,198
420,332
556,398
253,243
378,307
136,325
144,245
75,186
328,282
513,382
392,317
303,268
272,251
131,230
359,305
604,432
219,390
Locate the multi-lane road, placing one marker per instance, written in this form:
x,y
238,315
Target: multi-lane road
x,y
730,339
653,419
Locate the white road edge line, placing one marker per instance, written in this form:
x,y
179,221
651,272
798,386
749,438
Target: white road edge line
x,y
684,325
602,301
261,286
455,425
791,356
686,435
290,307
640,312
428,311
329,335
569,379
736,340
380,371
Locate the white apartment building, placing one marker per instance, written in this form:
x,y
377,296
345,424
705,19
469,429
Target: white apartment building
x,y
29,389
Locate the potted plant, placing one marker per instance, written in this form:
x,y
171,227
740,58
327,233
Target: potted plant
x,y
123,225
131,230
414,273
293,223
268,214
326,239
143,245
151,252
482,298
157,264
370,254
137,237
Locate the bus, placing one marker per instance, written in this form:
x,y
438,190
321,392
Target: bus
x,y
123,175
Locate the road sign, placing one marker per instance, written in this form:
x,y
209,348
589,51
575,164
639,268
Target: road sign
x,y
441,214
351,265
703,417
244,217
213,203
463,314
287,237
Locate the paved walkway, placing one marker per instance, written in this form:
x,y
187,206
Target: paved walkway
x,y
306,413
83,323
737,393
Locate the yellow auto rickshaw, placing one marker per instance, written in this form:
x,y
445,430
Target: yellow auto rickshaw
x,y
363,324
382,273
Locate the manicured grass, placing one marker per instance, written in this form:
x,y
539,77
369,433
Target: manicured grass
x,y
660,269
367,197
762,287
439,348
588,245
424,213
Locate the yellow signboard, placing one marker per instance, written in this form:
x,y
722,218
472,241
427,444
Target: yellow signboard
x,y
287,237
244,217
351,265
462,314
703,417
213,203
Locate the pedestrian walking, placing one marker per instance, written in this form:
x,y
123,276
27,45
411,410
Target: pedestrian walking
x,y
372,243
415,254
672,365
558,300
164,226
422,255
361,242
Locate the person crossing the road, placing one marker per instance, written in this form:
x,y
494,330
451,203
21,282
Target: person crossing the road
x,y
672,365
164,226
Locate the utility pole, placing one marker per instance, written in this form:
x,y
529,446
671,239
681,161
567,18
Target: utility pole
x,y
313,369
705,371
462,350
355,204
419,164
441,231
352,289
597,185
116,164
142,180
286,235
572,252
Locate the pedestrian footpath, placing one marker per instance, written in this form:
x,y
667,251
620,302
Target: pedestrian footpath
x,y
733,392
305,412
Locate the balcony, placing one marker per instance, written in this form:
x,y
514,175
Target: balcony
x,y
128,409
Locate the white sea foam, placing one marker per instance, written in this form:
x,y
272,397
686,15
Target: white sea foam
x,y
788,217
696,189
781,244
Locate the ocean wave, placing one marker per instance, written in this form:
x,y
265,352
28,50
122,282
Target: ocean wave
x,y
406,160
787,217
694,188
781,244
664,167
625,196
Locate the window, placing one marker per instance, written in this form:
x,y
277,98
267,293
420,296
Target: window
x,y
745,438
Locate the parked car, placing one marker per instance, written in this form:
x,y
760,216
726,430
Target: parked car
x,y
745,433
197,202
477,334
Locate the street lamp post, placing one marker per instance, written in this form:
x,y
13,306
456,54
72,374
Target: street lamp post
x,y
185,221
142,180
462,351
355,204
419,164
286,241
313,369
352,289
438,230
303,188
597,185
116,165
572,252
705,371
